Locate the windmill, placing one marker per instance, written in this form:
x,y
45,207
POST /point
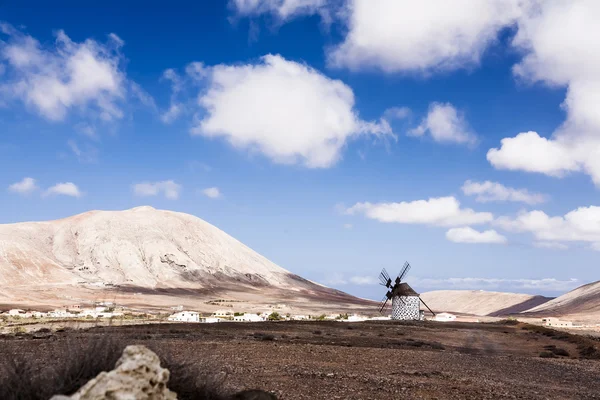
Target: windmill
x,y
405,301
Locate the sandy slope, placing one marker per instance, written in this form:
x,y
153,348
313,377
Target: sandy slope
x,y
582,304
145,255
475,302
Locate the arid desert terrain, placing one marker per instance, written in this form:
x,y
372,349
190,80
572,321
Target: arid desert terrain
x,y
367,360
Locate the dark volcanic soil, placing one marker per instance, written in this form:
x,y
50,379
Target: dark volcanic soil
x,y
369,360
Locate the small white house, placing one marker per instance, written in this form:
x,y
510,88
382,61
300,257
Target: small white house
x,y
223,313
380,318
185,316
355,318
16,312
247,318
299,318
557,323
444,317
61,313
211,320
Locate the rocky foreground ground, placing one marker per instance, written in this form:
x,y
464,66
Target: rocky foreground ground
x,y
369,360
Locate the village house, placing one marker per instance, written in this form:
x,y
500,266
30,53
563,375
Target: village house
x,y
248,318
555,322
299,318
444,317
185,316
211,320
18,313
223,314
355,318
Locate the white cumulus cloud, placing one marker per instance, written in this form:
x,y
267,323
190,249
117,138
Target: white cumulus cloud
x,y
169,189
283,109
54,80
212,192
470,235
579,225
559,43
445,124
25,186
420,36
530,152
63,189
493,191
440,211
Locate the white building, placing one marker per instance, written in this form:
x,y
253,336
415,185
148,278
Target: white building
x,y
248,318
299,318
444,317
551,321
223,313
61,313
16,313
355,318
185,316
380,319
211,320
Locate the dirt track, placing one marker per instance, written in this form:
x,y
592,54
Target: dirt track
x,y
334,360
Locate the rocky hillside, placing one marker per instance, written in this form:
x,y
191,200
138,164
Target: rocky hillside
x,y
480,302
142,250
582,303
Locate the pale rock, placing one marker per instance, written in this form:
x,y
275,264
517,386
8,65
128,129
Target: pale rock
x,y
137,376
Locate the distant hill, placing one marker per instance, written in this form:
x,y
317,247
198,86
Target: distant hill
x,y
480,302
582,304
145,256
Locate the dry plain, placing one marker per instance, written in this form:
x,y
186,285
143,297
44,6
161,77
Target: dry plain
x,y
367,360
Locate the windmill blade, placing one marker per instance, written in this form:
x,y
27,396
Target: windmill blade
x,y
383,304
430,310
384,278
404,271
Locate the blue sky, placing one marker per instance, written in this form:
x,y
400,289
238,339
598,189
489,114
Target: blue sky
x,y
334,137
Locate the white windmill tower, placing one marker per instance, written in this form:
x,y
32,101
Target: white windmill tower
x,y
406,303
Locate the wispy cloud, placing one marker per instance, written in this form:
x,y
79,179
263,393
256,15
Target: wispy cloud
x,y
469,235
89,155
546,284
24,187
441,211
212,192
493,191
64,189
170,189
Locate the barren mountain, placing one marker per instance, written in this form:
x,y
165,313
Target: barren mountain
x,y
581,304
152,254
481,303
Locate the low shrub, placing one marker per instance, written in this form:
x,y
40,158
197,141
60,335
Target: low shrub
x,y
264,336
560,352
32,376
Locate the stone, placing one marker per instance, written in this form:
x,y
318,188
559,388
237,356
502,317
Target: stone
x,y
137,376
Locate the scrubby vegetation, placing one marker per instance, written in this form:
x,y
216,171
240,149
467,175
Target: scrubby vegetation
x,y
274,316
588,348
31,376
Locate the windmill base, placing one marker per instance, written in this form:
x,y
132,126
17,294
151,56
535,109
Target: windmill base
x,y
407,308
